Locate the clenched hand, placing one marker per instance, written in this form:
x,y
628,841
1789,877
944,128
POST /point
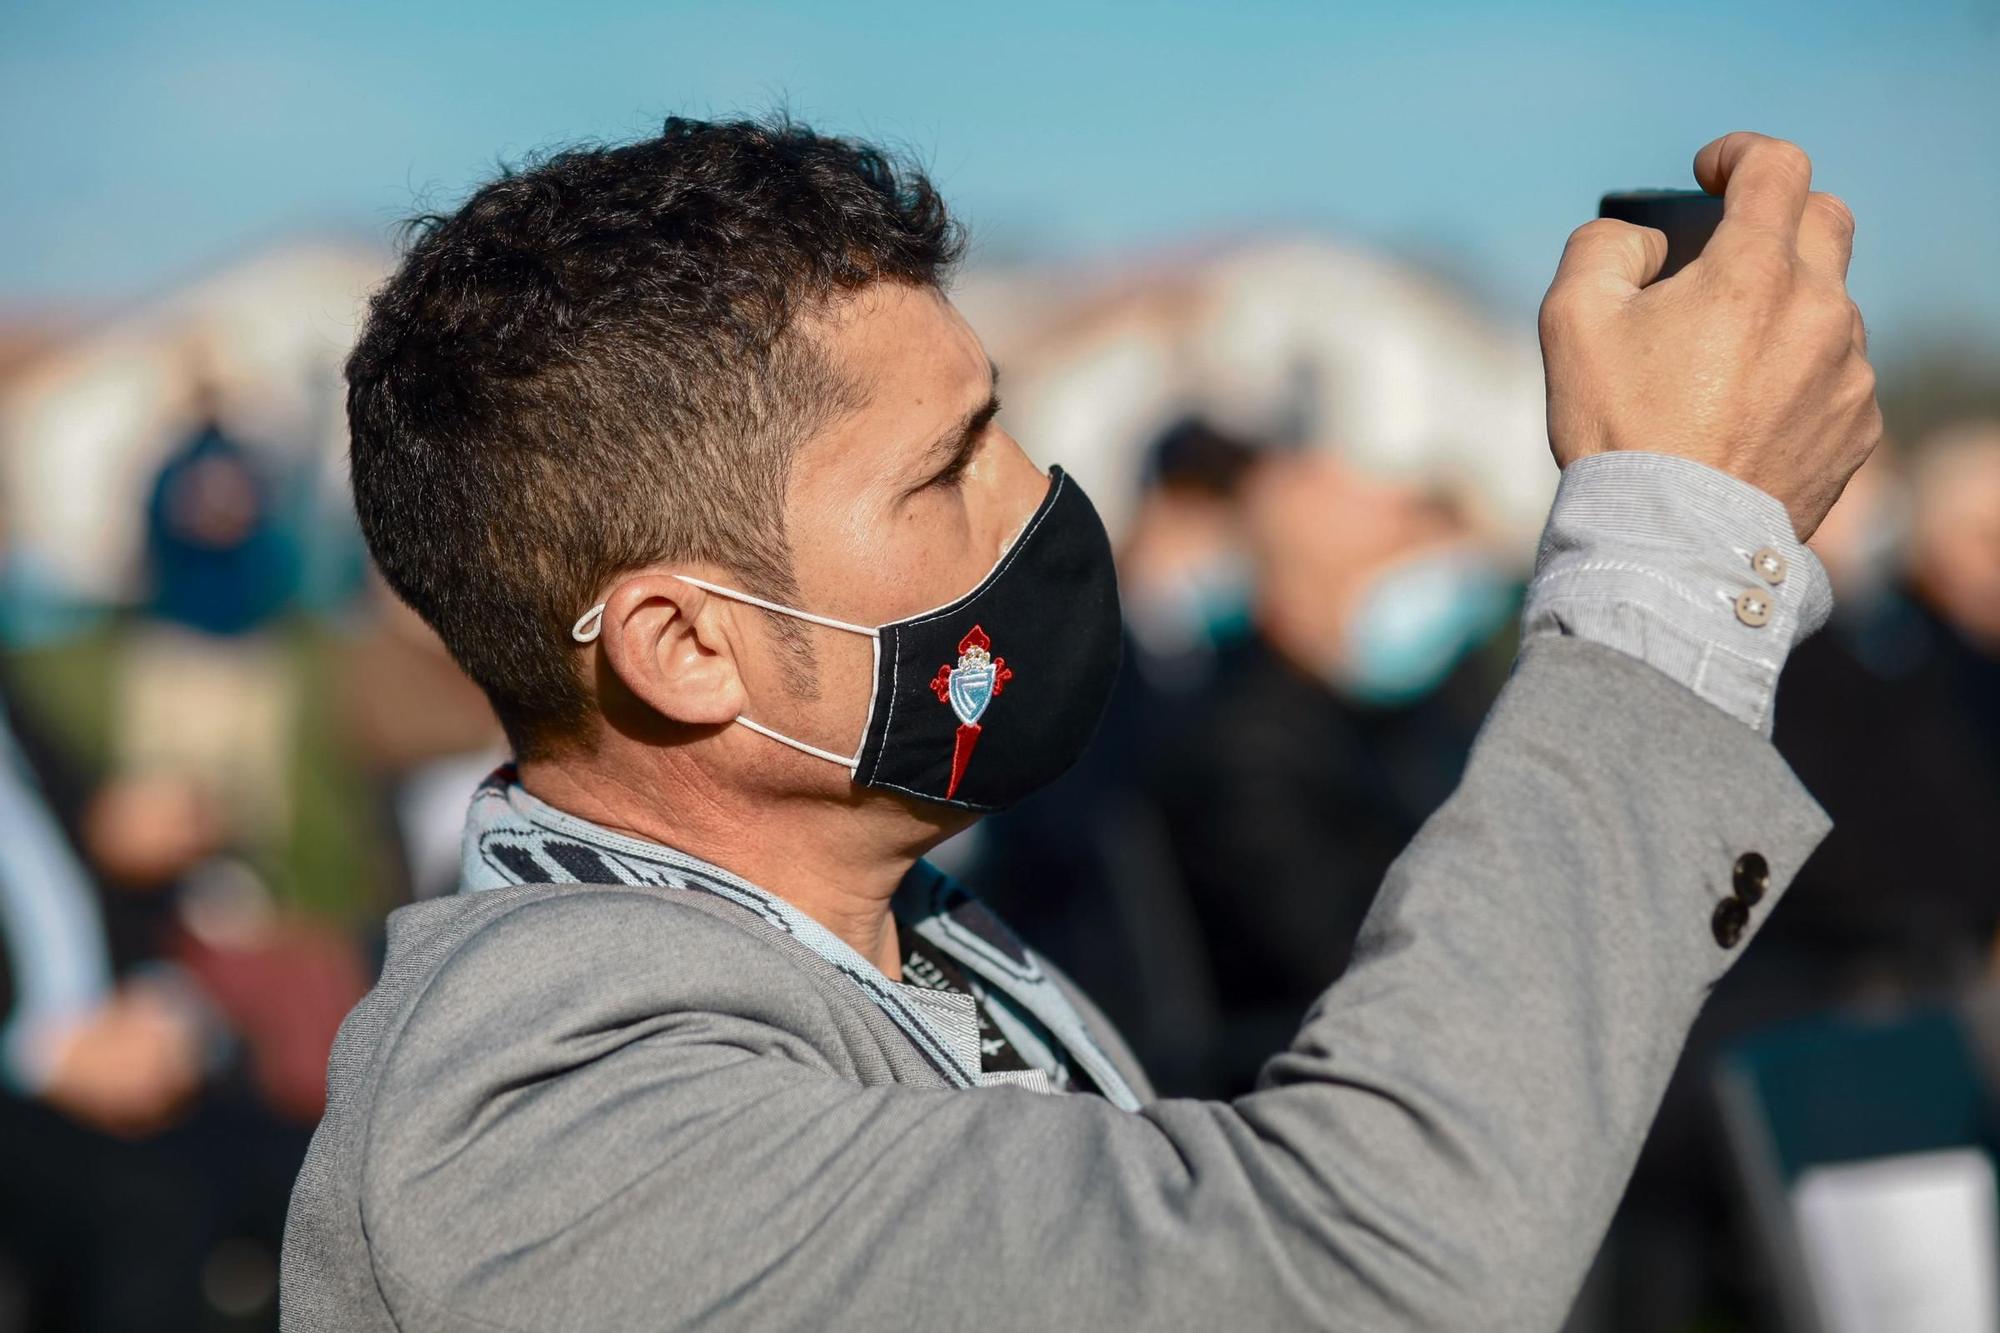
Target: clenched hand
x,y
1752,359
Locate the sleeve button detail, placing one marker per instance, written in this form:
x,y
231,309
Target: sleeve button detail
x,y
1753,608
1770,565
1730,917
1751,877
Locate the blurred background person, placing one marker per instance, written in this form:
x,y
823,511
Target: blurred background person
x,y
421,732
95,1230
1906,892
1186,581
1383,626
1955,554
206,693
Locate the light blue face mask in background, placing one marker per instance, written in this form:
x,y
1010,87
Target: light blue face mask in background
x,y
1198,609
1417,622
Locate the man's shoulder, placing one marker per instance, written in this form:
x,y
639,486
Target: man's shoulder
x,y
483,988
538,984
506,1024
523,957
529,916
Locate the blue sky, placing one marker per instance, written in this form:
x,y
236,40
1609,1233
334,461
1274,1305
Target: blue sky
x,y
140,143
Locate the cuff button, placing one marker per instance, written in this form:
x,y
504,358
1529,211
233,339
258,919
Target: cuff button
x,y
1750,878
1770,565
1731,915
1753,608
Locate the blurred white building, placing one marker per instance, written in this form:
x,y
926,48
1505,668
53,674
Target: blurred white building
x,y
86,424
1289,339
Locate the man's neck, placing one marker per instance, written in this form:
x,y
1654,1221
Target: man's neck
x,y
831,862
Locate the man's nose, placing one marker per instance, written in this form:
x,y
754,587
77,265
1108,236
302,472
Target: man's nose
x,y
1022,486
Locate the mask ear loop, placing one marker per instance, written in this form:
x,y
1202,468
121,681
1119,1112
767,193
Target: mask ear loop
x,y
850,764
782,610
590,625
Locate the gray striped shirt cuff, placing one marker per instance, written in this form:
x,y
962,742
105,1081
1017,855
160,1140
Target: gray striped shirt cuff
x,y
1684,567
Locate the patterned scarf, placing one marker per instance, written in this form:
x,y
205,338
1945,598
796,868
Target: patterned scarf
x,y
511,837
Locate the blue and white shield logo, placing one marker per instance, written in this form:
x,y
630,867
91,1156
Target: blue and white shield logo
x,y
971,691
969,687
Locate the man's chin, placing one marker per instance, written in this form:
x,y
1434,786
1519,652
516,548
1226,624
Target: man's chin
x,y
931,822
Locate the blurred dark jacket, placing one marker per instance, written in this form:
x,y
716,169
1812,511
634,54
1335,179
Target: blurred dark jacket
x,y
1893,721
1284,804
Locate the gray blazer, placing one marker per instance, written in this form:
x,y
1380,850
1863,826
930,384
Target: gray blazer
x,y
589,1107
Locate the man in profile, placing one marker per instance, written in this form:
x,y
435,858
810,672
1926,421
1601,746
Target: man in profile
x,y
687,457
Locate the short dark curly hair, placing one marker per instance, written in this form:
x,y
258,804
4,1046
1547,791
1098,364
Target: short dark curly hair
x,y
593,365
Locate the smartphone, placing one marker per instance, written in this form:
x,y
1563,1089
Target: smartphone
x,y
1688,217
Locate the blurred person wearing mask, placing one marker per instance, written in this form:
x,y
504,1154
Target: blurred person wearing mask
x,y
693,466
1383,631
207,695
1184,572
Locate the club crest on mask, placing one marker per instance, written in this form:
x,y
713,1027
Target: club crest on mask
x,y
969,687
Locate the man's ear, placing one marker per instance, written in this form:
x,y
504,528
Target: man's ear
x,y
669,645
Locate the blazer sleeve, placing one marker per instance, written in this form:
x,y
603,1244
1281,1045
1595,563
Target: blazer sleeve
x,y
634,1137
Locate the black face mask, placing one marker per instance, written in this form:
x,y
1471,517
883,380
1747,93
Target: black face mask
x,y
982,701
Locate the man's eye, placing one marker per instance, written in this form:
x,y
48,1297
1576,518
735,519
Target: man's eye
x,y
953,473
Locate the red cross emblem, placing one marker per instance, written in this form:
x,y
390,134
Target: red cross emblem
x,y
969,687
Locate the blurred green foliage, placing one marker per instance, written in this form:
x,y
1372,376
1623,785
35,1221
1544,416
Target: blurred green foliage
x,y
338,858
